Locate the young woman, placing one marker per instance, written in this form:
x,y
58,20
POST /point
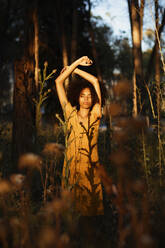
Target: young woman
x,y
82,115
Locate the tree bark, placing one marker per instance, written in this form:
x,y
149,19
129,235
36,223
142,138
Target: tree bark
x,y
36,46
64,48
134,96
157,61
136,29
157,79
151,61
142,3
24,91
74,32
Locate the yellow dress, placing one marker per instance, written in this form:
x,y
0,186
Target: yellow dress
x,y
81,159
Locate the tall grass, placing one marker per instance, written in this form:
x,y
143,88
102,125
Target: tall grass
x,y
36,212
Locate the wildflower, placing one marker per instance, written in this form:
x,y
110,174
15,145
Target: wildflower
x,y
50,190
45,63
146,240
59,205
5,187
17,179
53,149
67,198
29,160
47,237
64,238
56,206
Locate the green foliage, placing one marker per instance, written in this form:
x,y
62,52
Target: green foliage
x,y
67,132
42,94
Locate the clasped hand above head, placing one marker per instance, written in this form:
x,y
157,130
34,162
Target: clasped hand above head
x,y
73,68
85,61
64,69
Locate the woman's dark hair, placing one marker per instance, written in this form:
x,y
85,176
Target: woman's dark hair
x,y
74,90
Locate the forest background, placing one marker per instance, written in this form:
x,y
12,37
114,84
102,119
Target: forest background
x,y
39,38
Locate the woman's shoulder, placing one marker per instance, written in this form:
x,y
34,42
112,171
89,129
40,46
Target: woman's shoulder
x,y
96,111
69,110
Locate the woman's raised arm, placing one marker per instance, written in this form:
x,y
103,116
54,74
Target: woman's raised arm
x,y
84,61
92,79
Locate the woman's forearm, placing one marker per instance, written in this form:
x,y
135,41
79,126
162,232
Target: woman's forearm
x,y
83,61
61,78
90,78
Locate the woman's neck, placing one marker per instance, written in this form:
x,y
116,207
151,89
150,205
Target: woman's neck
x,y
83,113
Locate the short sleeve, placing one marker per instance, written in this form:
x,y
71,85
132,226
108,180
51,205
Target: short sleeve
x,y
68,110
96,111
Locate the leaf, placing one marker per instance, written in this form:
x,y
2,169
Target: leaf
x,y
94,187
69,161
44,73
93,123
83,127
59,118
69,142
84,187
93,146
83,149
84,154
39,77
90,177
68,132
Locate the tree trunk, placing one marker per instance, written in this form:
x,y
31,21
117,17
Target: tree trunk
x,y
74,33
134,92
157,61
61,16
36,56
151,61
134,96
142,3
64,52
157,79
36,46
24,91
136,22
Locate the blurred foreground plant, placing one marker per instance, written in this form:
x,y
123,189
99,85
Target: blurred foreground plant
x,y
42,93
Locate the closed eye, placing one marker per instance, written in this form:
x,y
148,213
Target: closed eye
x,y
85,95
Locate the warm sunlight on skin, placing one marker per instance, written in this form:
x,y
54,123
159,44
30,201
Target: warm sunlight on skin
x,y
81,154
85,99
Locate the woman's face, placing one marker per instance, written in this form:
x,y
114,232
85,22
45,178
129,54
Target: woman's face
x,y
85,98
